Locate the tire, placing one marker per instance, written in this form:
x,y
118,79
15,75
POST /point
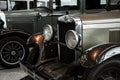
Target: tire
x,y
12,50
108,70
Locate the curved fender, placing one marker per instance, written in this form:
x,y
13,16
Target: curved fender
x,y
7,33
98,54
10,31
112,51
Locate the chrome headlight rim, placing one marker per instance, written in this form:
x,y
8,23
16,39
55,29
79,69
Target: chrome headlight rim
x,y
47,32
74,35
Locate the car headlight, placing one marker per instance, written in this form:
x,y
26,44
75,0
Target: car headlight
x,y
47,32
72,39
37,38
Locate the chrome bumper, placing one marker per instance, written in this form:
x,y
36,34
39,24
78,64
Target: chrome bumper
x,y
30,72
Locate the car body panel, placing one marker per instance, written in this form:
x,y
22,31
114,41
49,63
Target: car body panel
x,y
99,26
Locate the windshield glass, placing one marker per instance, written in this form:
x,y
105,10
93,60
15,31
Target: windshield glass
x,y
18,5
42,3
66,4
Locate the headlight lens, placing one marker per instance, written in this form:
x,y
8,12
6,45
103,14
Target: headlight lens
x,y
72,39
36,38
47,32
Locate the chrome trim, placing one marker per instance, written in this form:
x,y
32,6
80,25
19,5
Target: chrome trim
x,y
108,21
58,41
78,29
30,73
44,30
67,38
102,25
66,18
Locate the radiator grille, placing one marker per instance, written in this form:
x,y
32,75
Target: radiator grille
x,y
66,55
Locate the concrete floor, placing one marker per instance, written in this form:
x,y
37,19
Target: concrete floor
x,y
11,74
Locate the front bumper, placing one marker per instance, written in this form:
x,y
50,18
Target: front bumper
x,y
30,72
50,70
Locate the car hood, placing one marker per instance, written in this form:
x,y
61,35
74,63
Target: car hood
x,y
107,16
25,13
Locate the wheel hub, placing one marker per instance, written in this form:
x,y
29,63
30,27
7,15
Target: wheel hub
x,y
13,53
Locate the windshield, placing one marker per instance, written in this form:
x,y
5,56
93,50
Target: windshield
x,y
42,3
66,4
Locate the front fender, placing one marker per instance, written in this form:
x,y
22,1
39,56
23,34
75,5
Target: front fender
x,y
7,33
99,54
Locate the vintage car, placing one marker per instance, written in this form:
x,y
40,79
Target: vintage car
x,y
87,47
12,44
30,16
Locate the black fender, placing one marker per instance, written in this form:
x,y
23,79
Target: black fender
x,y
7,33
99,54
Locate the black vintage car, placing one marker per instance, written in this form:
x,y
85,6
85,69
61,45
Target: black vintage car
x,y
82,47
29,16
12,47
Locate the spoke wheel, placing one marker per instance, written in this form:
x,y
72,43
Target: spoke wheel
x,y
112,73
107,70
12,50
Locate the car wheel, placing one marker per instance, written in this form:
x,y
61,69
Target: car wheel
x,y
108,70
12,49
